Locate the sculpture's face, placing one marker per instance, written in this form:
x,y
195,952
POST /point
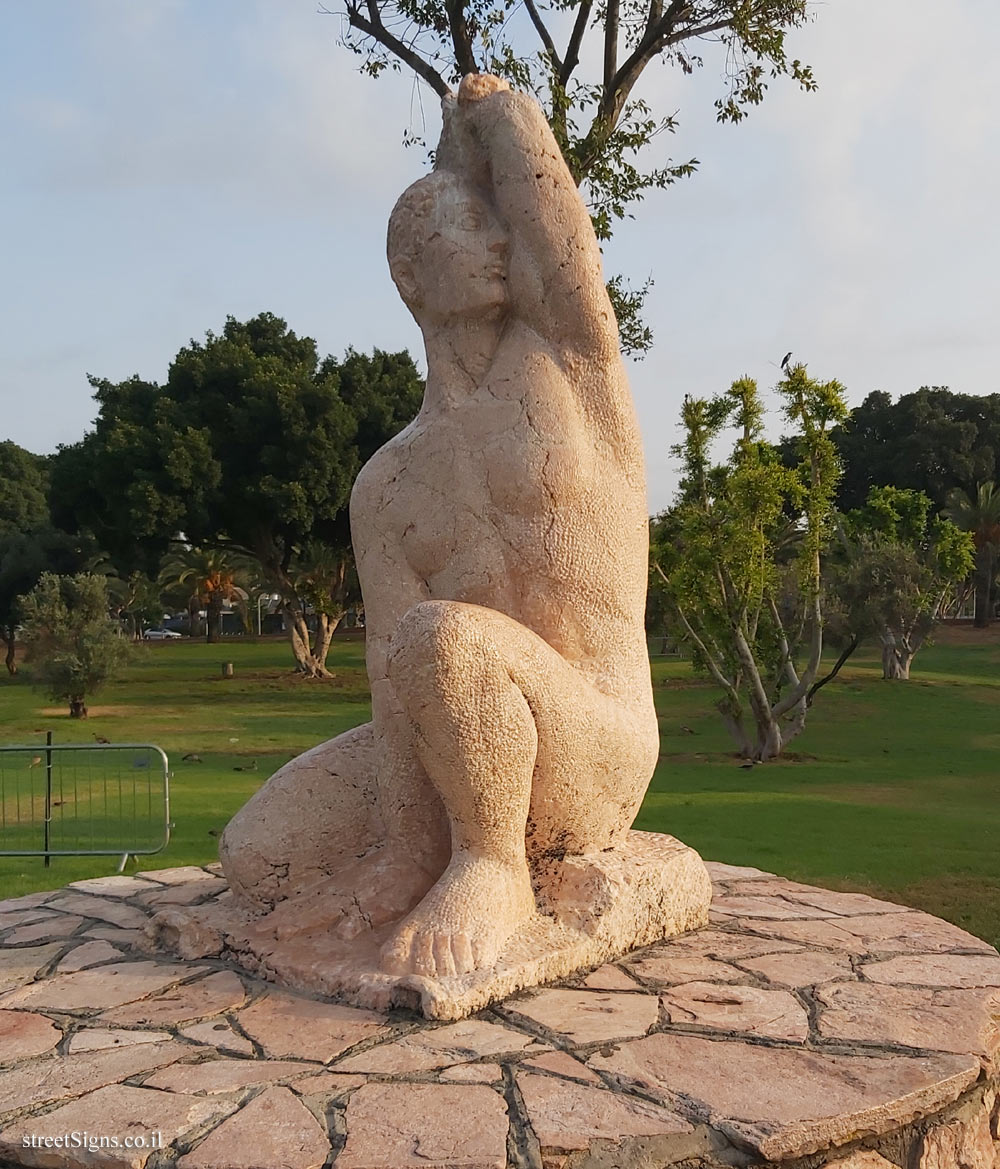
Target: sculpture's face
x,y
448,252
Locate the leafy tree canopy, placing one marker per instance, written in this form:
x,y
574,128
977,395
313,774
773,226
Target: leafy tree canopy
x,y
739,555
251,445
932,441
23,487
583,61
898,563
73,645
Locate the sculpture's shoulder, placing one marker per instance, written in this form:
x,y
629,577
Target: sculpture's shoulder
x,y
376,479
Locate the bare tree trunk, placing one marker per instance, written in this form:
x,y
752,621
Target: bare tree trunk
x,y
896,658
984,586
306,661
214,620
10,639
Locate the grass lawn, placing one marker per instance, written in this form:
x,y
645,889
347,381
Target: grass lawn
x,y
892,789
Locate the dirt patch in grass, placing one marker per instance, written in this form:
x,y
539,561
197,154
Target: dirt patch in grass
x,y
93,711
884,794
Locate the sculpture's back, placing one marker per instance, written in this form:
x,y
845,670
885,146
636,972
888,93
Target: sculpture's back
x,y
474,837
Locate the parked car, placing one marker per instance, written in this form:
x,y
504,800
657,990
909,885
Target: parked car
x,y
159,635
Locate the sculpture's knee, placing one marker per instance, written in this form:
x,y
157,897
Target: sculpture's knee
x,y
432,641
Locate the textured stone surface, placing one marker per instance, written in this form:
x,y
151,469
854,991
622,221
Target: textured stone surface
x,y
285,1025
98,1038
226,1075
805,969
116,1111
24,1034
425,1126
786,1102
88,954
588,1016
102,908
568,1116
563,1064
73,1075
106,986
210,995
57,926
20,966
853,1084
945,1019
455,1043
863,1159
609,978
966,1144
662,969
476,838
218,1034
273,1130
955,970
747,1009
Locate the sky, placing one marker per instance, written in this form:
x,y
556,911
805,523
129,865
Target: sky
x,y
166,163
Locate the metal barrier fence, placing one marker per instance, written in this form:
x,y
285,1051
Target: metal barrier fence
x,y
84,799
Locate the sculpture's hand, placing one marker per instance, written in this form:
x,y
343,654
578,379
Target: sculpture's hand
x,y
476,86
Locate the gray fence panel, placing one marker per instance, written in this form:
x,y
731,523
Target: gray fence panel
x,y
84,799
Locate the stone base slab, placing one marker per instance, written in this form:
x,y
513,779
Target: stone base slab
x,y
801,1028
591,908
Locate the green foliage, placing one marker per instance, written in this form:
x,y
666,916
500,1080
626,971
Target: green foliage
x,y
979,515
72,643
739,554
251,447
602,130
24,557
897,566
932,441
23,486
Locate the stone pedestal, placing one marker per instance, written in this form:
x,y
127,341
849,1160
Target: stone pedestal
x,y
801,1027
594,907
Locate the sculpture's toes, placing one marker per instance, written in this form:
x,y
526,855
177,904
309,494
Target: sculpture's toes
x,y
435,954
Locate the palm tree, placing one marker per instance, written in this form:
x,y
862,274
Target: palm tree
x,y
981,517
210,575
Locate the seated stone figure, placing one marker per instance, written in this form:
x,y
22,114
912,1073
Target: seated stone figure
x,y
501,542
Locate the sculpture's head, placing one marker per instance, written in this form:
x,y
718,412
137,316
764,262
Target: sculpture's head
x,y
447,251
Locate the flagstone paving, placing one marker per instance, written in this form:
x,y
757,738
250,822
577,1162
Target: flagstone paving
x,y
804,1027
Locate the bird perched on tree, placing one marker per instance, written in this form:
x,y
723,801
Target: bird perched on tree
x,y
785,360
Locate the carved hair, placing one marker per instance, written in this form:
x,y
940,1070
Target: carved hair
x,y
409,223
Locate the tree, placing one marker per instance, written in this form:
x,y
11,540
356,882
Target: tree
x,y
981,517
24,557
600,127
251,447
72,643
207,577
932,441
898,565
740,553
23,486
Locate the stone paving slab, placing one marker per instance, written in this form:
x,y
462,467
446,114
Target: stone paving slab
x,y
803,1023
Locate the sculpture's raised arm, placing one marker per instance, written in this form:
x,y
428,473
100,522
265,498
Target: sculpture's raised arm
x,y
555,278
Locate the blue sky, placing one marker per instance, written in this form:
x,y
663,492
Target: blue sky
x,y
169,162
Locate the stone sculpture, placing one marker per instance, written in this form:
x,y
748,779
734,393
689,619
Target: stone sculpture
x,y
474,837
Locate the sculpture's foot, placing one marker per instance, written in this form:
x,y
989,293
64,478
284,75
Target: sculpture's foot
x,y
360,897
464,921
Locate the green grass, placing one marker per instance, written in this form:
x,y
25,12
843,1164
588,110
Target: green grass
x,y
892,789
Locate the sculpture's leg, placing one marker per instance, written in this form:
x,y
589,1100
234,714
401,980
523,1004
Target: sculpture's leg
x,y
476,737
313,815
